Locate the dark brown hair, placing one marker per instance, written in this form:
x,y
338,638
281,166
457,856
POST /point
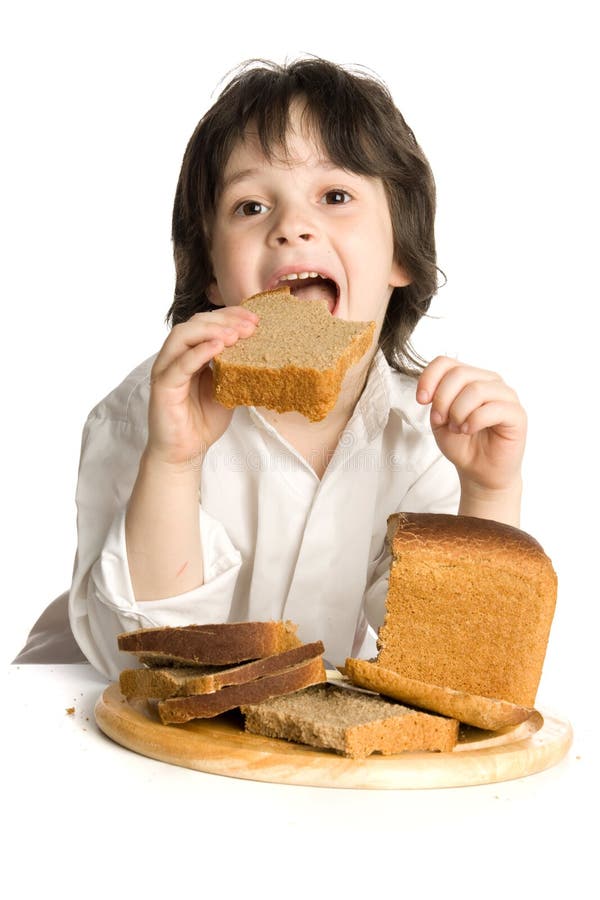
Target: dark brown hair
x,y
361,130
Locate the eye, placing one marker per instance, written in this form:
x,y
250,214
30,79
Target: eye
x,y
251,208
336,197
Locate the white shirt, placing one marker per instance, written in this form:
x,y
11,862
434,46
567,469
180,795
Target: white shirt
x,y
277,541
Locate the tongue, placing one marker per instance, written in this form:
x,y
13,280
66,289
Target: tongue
x,y
316,291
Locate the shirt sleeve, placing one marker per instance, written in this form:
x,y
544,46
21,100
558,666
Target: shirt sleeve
x,y
437,490
101,601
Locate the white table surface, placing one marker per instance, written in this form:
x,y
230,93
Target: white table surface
x,y
88,817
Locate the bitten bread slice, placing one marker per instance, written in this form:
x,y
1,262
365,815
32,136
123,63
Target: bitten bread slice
x,y
350,722
469,606
481,712
205,706
158,684
215,645
296,358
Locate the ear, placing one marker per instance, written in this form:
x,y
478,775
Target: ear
x,y
399,277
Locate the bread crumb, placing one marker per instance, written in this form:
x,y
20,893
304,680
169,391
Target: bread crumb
x,y
70,710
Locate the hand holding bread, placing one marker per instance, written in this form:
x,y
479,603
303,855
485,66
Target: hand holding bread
x,y
183,418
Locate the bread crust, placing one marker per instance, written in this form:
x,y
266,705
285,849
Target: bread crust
x,y
480,712
219,644
464,536
203,706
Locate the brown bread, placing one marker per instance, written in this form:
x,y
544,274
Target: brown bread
x,y
203,706
158,684
296,358
215,645
469,606
481,712
350,722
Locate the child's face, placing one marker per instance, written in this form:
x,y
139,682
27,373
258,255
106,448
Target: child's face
x,y
299,214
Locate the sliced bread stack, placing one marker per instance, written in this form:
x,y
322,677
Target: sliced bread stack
x,y
201,671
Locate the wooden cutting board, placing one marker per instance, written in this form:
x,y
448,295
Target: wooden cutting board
x,y
221,746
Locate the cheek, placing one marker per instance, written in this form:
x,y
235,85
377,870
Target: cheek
x,y
233,268
373,244
221,254
386,234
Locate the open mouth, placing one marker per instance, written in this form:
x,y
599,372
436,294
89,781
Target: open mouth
x,y
312,286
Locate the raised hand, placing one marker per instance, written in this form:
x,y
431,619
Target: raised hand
x,y
480,426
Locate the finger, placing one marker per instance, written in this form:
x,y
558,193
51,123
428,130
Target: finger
x,y
474,395
432,375
180,371
509,420
227,312
451,385
196,331
191,331
440,370
185,337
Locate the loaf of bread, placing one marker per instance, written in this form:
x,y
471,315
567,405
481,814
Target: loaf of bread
x,y
481,712
296,358
215,645
469,606
181,709
350,722
160,683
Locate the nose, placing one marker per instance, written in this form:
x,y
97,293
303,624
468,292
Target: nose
x,y
292,225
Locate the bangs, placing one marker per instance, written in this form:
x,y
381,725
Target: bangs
x,y
334,112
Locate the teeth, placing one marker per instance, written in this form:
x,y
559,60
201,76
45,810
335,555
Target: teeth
x,y
294,275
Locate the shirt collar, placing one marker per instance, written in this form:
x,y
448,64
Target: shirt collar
x,y
374,402
387,391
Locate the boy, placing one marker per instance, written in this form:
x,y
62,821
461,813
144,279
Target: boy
x,y
306,175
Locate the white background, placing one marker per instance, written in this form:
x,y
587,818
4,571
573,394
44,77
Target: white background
x,y
100,100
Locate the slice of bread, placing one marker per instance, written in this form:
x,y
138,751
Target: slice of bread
x,y
481,712
350,722
469,606
158,684
215,645
202,706
296,358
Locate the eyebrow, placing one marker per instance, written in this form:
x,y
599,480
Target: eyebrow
x,y
240,175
